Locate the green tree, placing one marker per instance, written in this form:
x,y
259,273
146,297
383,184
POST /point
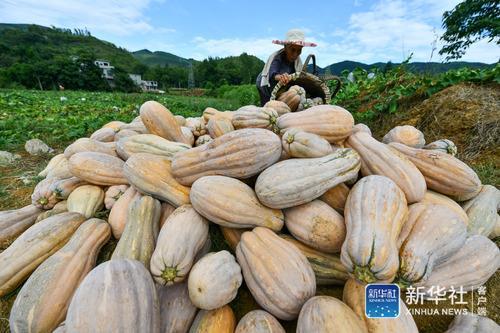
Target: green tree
x,y
469,22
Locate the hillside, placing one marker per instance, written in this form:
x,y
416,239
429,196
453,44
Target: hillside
x,y
161,58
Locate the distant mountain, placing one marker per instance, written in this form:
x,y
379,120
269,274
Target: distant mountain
x,y
161,58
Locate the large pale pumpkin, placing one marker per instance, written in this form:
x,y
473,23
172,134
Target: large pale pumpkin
x,y
328,121
125,134
43,195
219,126
324,314
336,197
97,168
214,280
35,245
374,214
86,144
63,187
116,296
151,174
15,222
431,235
407,135
482,211
327,268
53,163
443,173
231,203
238,154
297,181
379,159
177,312
210,113
86,200
251,116
104,135
114,125
317,225
148,143
297,143
259,321
434,198
118,215
221,320
160,121
42,303
292,281
181,238
141,230
280,107
443,145
293,97
361,128
470,267
354,297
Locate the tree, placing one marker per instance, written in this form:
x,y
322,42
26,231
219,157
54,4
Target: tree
x,y
469,22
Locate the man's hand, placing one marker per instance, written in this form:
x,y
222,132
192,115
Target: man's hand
x,y
283,78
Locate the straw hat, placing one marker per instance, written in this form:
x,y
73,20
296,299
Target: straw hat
x,y
296,37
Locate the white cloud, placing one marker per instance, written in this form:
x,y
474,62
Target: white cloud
x,y
115,17
260,47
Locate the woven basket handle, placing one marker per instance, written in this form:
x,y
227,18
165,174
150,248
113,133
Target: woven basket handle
x,y
306,63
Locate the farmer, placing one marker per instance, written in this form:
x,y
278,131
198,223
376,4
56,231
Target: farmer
x,y
281,64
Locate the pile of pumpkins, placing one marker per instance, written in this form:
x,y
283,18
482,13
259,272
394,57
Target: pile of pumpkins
x,y
302,198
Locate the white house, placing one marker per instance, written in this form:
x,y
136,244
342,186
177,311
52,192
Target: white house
x,y
144,84
107,69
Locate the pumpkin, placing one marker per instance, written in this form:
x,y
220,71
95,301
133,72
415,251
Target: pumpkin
x,y
482,211
434,198
148,143
114,125
118,215
180,120
468,268
104,135
443,145
214,280
196,125
60,207
316,224
324,314
231,203
86,144
219,126
116,296
331,122
496,231
53,163
251,116
354,297
407,135
188,135
15,222
152,175
298,143
42,303
221,320
239,154
176,310
62,188
297,181
113,193
138,240
292,97
136,126
166,210
160,121
232,236
374,214
280,107
443,173
259,321
181,238
202,140
97,168
327,268
336,197
379,159
472,323
43,196
86,200
28,251
361,128
430,236
292,281
125,133
61,170
210,113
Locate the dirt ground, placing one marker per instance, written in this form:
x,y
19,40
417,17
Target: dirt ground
x,y
468,115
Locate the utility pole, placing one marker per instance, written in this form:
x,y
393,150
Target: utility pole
x,y
191,76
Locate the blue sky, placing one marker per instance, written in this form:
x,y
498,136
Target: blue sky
x,y
360,30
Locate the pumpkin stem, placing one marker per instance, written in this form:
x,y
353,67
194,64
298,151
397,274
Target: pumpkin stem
x,y
363,273
290,138
43,201
169,274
